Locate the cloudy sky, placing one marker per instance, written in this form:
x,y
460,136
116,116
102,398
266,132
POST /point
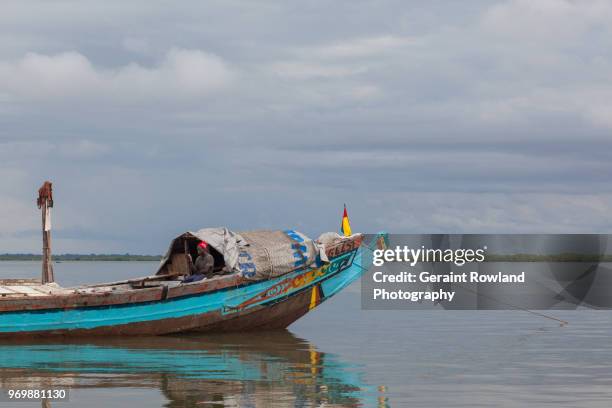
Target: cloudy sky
x,y
156,117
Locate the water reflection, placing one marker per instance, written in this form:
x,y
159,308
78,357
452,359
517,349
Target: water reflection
x,y
252,369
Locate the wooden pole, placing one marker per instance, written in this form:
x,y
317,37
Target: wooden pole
x,y
45,202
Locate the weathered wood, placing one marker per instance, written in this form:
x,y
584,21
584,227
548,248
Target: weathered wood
x,y
117,294
19,281
47,266
179,264
45,202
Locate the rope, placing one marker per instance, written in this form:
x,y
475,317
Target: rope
x,y
562,322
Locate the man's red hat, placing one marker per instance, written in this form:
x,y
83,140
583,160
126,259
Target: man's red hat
x,y
203,245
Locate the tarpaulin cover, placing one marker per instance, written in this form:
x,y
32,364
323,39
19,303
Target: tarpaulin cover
x,y
256,255
269,254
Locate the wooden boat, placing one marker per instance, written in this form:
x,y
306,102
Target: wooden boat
x,y
165,303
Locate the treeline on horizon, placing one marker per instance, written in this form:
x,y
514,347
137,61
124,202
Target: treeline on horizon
x,y
564,257
81,257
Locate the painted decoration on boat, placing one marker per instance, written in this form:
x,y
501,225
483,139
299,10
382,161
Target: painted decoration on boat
x,y
295,283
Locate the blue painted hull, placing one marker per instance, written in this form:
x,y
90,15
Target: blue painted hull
x,y
269,304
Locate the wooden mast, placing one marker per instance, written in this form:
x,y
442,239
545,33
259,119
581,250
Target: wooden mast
x,y
45,202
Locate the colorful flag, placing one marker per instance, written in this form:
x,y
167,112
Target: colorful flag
x,y
345,227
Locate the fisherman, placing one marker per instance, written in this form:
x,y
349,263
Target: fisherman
x,y
204,264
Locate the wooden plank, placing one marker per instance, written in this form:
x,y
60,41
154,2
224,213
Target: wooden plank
x,y
6,291
28,290
7,282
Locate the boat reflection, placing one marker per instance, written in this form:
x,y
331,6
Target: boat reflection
x,y
248,369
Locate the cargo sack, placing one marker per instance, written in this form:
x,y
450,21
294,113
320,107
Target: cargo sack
x,y
268,254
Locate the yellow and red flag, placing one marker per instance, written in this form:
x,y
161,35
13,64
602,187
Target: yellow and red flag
x,y
345,227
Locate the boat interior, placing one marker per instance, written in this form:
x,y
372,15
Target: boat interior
x,y
184,249
173,273
10,289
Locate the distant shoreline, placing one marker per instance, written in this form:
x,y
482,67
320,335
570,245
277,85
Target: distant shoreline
x,y
566,257
77,257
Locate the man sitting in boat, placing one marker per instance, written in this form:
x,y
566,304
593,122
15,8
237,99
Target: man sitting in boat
x,y
204,264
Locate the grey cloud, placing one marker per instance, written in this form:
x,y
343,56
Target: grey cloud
x,y
54,78
462,116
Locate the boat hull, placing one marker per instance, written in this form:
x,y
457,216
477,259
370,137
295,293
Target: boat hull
x,y
263,305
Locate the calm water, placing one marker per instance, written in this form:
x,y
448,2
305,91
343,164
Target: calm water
x,y
338,355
